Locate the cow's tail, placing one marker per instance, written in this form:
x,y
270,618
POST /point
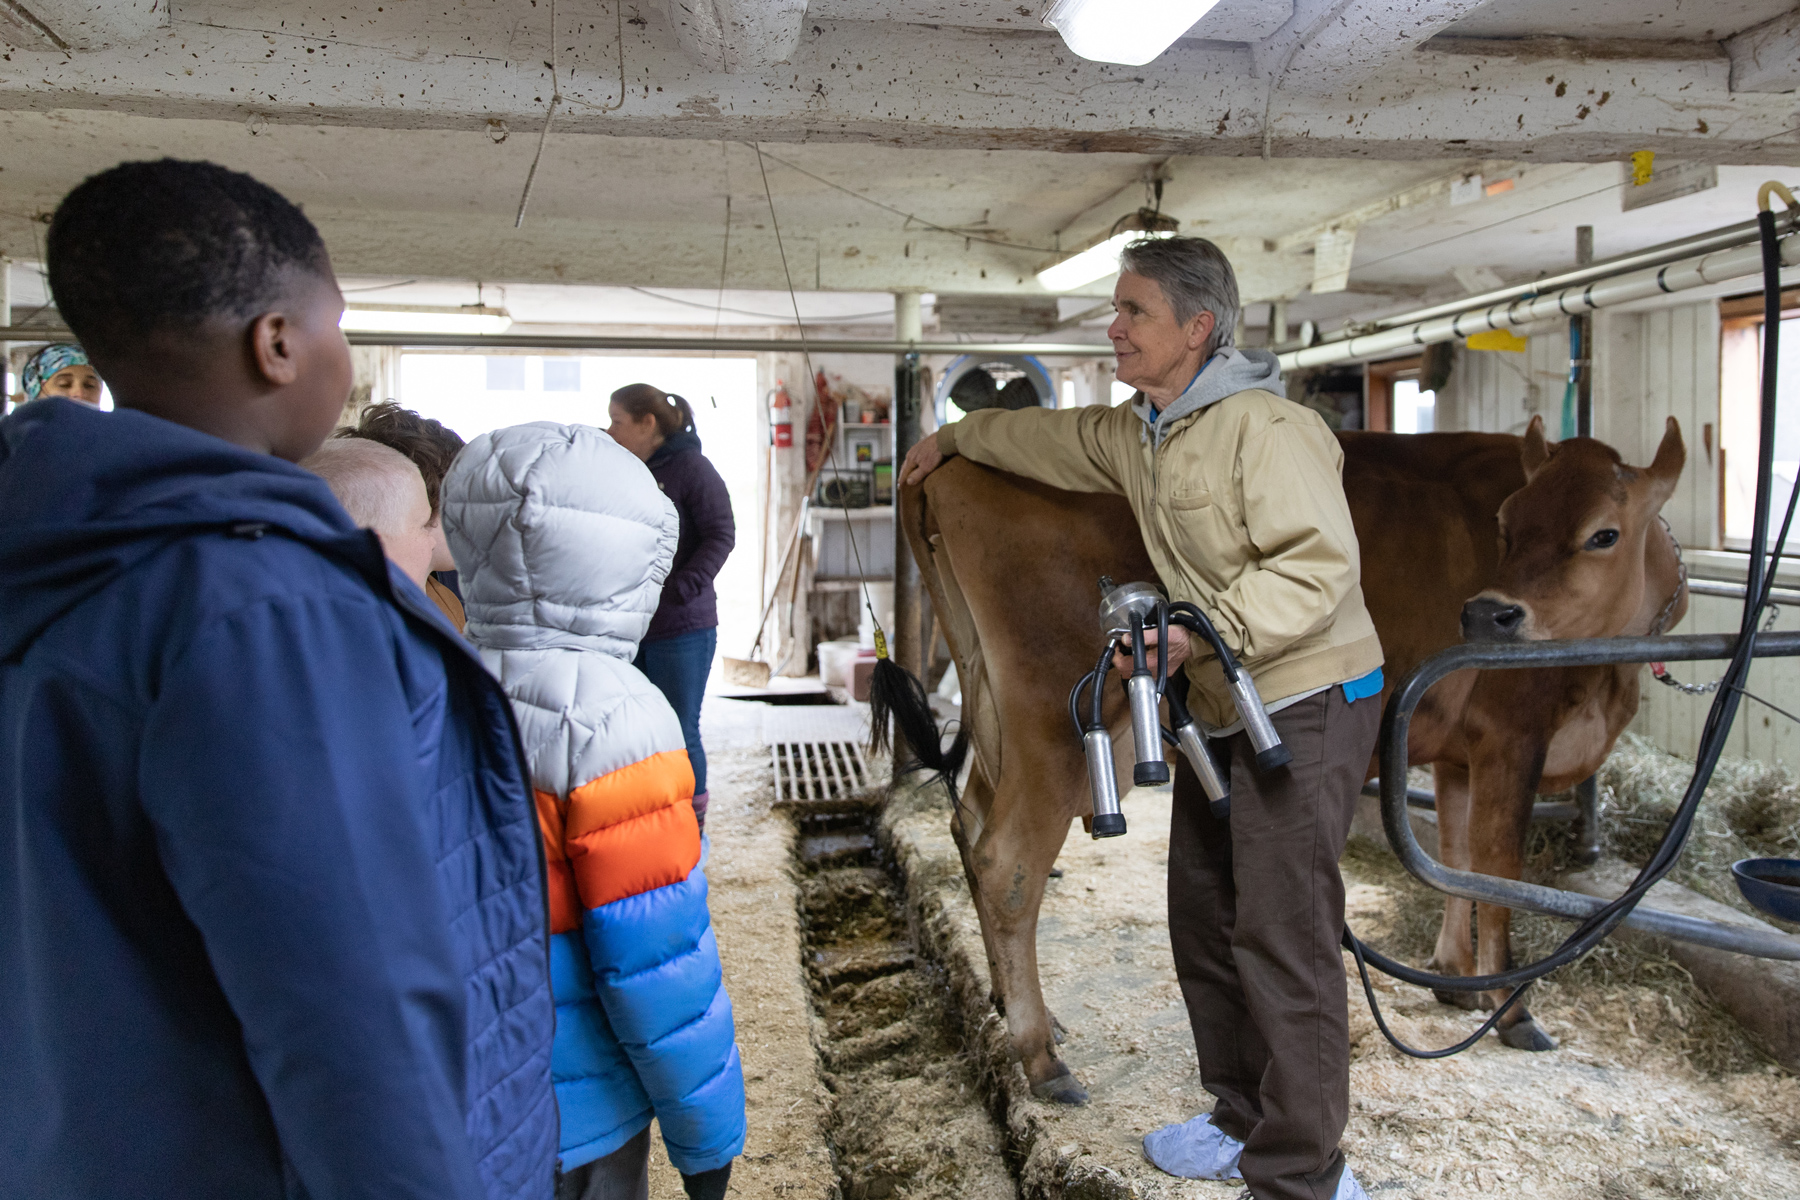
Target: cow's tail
x,y
898,704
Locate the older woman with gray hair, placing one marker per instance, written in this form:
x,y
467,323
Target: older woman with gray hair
x,y
1239,496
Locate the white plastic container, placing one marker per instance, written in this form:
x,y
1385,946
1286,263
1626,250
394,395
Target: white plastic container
x,y
881,595
836,661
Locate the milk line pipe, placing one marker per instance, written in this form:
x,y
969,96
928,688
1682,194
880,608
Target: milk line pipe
x,y
1744,233
1716,267
1557,902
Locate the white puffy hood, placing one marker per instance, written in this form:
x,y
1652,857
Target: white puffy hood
x,y
562,538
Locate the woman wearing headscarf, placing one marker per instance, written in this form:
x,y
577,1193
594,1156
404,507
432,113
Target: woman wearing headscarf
x,y
61,369
677,652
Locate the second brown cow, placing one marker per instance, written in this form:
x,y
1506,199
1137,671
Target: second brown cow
x,y
1461,535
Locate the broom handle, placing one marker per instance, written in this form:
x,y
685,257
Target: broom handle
x,y
794,539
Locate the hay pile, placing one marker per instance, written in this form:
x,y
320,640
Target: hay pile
x,y
1751,810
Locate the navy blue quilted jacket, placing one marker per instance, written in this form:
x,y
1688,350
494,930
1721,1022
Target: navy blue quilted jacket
x,y
272,918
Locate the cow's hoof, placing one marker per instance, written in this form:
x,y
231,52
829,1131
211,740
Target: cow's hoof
x,y
1056,1029
1468,1000
1527,1035
1061,1089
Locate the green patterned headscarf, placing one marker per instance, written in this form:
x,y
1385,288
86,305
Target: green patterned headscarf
x,y
44,365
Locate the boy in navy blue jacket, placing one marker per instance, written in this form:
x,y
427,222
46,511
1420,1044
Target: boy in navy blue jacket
x,y
271,907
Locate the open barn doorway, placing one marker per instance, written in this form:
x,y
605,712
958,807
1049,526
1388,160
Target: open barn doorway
x,y
473,393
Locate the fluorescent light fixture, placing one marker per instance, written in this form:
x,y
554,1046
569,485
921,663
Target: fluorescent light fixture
x,y
408,318
1128,32
1096,262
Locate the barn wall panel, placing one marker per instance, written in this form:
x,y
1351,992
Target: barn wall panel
x,y
1652,366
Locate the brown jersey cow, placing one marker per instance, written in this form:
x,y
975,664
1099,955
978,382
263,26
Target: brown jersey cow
x,y
1462,535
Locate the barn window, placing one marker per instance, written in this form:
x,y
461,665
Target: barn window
x,y
505,373
1740,401
1396,403
562,374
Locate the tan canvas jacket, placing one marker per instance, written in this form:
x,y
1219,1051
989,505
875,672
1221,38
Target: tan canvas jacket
x,y
1242,509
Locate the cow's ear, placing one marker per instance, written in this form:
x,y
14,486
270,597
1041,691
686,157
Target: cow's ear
x,y
1536,451
1671,457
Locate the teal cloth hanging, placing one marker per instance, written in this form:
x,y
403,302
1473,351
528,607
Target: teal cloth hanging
x,y
1568,414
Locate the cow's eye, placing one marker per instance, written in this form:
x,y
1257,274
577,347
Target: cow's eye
x,y
1605,539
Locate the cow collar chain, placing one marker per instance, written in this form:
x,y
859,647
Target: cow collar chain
x,y
1658,670
1662,618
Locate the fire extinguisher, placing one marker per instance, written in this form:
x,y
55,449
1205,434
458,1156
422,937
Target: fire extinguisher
x,y
781,417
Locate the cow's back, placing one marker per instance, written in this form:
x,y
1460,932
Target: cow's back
x,y
1426,509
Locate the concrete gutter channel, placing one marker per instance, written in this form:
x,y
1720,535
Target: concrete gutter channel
x,y
914,835
1762,994
911,1110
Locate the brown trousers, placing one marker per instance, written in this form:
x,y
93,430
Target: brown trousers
x,y
1256,910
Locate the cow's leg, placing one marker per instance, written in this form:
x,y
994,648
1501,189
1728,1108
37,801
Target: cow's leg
x,y
1505,789
1008,866
1455,953
970,818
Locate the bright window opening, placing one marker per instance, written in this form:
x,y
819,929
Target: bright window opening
x,y
1415,411
1740,406
473,395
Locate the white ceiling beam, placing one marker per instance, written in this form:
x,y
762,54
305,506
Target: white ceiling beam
x,y
733,36
1329,46
82,24
1767,57
913,86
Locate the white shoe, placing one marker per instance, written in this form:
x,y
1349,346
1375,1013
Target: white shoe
x,y
1198,1149
1348,1188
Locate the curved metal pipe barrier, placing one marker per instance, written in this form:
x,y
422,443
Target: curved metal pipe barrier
x,y
1396,721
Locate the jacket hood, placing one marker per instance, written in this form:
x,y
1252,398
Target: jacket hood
x,y
686,440
1226,373
88,494
561,538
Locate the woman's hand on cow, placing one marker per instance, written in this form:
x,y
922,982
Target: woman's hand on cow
x,y
921,460
1179,649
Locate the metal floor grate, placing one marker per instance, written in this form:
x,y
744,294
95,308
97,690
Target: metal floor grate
x,y
817,751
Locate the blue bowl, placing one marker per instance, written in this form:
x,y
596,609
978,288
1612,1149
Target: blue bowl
x,y
1771,885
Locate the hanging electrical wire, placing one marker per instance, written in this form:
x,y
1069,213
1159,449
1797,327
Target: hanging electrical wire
x,y
557,99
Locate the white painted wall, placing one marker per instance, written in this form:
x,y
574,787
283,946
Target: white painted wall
x,y
1651,366
1498,391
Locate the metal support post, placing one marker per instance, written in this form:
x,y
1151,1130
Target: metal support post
x,y
1584,366
1587,792
908,327
6,379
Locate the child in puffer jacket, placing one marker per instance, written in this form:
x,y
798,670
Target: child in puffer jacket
x,y
562,540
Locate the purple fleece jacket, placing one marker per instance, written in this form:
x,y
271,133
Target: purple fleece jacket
x,y
707,535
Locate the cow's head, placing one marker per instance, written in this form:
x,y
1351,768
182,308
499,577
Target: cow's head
x,y
1572,541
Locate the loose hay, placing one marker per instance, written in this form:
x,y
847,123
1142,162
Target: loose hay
x,y
1750,810
1653,1093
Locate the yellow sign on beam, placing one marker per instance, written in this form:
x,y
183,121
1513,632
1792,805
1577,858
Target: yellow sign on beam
x,y
1498,339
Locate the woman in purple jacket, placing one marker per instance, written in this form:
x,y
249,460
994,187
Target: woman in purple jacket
x,y
677,653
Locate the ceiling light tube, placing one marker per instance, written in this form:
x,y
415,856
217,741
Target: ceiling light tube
x,y
407,318
1102,259
1128,32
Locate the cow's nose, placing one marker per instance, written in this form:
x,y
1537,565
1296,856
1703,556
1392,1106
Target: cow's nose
x,y
1491,620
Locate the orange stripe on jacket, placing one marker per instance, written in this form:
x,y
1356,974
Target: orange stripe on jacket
x,y
565,901
660,781
635,856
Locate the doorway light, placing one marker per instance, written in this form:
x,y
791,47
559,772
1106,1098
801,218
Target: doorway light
x,y
1102,259
408,318
1128,32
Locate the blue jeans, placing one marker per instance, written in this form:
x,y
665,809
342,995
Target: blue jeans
x,y
678,666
